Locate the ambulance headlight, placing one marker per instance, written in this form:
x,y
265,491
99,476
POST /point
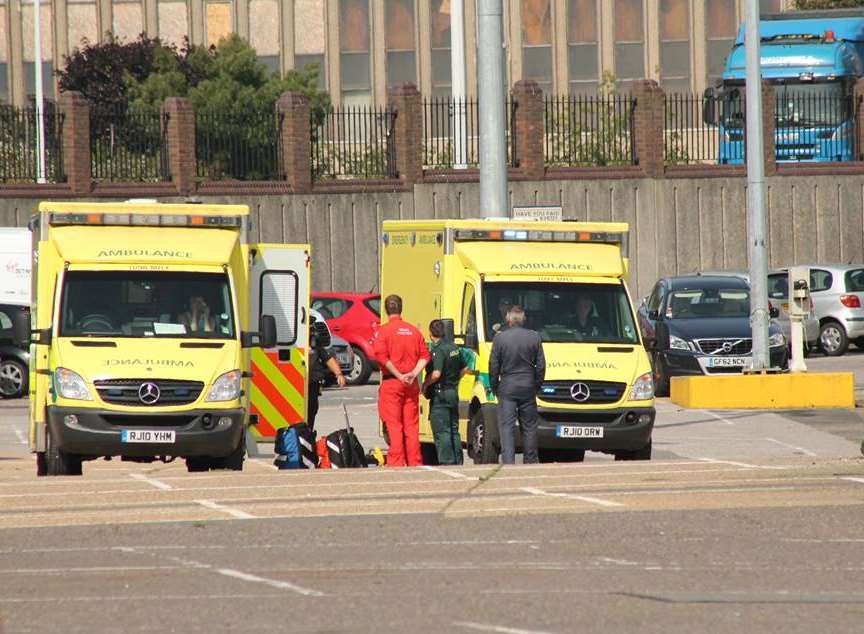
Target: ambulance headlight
x,y
225,388
643,388
70,385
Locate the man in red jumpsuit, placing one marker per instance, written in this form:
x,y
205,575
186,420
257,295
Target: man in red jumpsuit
x,y
401,353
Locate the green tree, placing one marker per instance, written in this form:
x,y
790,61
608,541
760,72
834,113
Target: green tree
x,y
803,5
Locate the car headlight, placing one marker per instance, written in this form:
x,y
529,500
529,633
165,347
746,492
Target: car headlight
x,y
776,340
70,385
225,388
677,343
643,388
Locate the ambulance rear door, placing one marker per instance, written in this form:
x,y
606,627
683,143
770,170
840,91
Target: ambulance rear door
x,y
279,286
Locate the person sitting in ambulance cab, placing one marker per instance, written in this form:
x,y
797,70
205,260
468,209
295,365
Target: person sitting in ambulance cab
x,y
197,318
586,323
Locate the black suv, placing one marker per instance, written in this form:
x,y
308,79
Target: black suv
x,y
694,325
14,354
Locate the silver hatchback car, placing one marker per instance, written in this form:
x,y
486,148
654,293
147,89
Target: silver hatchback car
x,y
837,291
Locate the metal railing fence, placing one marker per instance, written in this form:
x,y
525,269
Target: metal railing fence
x,y
701,129
354,142
589,130
128,144
815,126
443,134
239,145
19,157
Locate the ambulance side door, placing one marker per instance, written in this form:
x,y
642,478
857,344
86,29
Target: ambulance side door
x,y
279,280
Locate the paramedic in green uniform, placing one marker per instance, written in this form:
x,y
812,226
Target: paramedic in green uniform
x,y
440,387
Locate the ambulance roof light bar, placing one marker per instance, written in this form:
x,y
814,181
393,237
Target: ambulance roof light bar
x,y
530,235
146,220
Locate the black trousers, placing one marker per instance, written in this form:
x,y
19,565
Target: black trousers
x,y
312,404
523,408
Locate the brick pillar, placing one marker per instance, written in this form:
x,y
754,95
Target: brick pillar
x,y
648,127
76,141
407,137
529,128
296,140
768,107
181,143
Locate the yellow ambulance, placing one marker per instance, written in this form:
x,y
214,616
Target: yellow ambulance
x,y
148,323
570,278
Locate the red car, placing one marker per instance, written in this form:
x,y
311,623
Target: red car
x,y
354,317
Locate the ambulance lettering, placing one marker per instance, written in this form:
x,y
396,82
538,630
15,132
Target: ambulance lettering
x,y
171,363
550,266
147,253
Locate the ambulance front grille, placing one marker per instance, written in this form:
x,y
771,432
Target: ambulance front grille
x,y
582,392
129,392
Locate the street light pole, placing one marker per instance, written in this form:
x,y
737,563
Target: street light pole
x,y
40,120
756,226
493,123
457,79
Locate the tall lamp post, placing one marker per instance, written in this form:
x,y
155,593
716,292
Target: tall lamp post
x,y
40,119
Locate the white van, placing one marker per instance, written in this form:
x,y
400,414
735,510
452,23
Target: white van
x,y
15,247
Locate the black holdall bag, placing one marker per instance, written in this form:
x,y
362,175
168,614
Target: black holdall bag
x,y
343,448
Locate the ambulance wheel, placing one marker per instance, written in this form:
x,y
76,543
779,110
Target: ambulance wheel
x,y
430,454
234,461
661,379
59,463
483,441
197,464
41,465
360,370
561,455
636,454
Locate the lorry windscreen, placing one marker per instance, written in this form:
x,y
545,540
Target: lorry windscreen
x,y
146,304
812,104
564,312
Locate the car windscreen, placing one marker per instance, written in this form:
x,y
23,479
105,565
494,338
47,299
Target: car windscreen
x,y
811,104
146,304
708,303
563,312
778,286
855,281
374,304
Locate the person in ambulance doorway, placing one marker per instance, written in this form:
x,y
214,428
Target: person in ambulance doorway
x,y
320,361
517,368
441,388
401,353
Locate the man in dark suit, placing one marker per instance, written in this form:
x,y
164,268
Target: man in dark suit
x,y
517,368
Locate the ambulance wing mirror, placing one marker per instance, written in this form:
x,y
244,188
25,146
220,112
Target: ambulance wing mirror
x,y
449,330
21,330
266,335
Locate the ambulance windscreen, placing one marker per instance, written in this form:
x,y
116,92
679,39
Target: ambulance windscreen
x,y
146,304
563,312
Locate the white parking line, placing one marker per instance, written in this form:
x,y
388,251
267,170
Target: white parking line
x,y
720,418
581,498
483,627
851,479
273,583
151,481
740,464
240,515
806,452
447,472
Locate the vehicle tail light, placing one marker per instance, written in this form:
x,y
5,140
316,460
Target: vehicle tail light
x,y
850,301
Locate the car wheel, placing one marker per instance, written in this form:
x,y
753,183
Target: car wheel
x,y
833,339
59,463
859,343
13,379
661,381
485,447
561,455
637,454
361,368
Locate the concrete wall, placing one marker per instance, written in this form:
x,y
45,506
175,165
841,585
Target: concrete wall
x,y
677,225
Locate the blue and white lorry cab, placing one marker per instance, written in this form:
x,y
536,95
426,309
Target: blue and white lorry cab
x,y
813,59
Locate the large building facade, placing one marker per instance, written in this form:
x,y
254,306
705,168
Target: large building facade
x,y
364,46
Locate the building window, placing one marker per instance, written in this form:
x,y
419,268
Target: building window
x,y
537,42
399,42
218,22
46,50
310,37
582,54
264,32
172,22
629,41
770,6
4,69
354,62
127,19
83,24
721,22
440,38
675,45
